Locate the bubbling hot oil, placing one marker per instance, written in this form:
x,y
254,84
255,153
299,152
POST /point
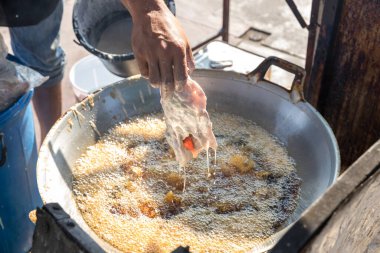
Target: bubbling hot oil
x,y
208,163
132,194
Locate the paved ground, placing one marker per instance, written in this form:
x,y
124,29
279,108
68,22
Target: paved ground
x,y
202,19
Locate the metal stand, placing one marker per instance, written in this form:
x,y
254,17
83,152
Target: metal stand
x,y
225,27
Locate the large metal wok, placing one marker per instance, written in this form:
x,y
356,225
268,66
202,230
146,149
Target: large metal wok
x,y
308,138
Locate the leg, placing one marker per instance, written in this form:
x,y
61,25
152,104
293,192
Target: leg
x,y
47,115
38,47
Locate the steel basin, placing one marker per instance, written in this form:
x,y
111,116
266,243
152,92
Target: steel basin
x,y
91,18
307,136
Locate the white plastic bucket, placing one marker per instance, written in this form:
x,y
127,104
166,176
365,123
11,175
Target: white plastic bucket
x,y
88,75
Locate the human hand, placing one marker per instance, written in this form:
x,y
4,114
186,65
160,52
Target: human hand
x,y
159,43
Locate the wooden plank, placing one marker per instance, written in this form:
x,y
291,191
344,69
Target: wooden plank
x,y
328,13
355,227
319,212
56,232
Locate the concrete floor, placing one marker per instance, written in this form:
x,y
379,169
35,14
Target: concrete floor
x,y
202,19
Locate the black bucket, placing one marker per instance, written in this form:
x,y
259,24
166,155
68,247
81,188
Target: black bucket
x,y
96,22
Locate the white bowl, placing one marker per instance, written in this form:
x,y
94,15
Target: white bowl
x,y
88,75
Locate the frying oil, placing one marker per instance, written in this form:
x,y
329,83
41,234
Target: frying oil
x,y
132,194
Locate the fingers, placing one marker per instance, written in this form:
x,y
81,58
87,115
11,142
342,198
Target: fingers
x,y
154,74
143,66
166,71
167,67
189,59
180,71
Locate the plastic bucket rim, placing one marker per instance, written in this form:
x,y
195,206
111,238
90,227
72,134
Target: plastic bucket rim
x,y
72,78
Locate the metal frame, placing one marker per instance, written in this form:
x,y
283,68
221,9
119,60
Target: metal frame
x,y
313,31
313,27
225,27
319,38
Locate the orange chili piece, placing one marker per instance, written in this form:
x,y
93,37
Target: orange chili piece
x,y
188,143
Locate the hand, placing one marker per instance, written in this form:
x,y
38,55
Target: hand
x,y
159,43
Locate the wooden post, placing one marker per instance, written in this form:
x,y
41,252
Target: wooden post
x,y
346,87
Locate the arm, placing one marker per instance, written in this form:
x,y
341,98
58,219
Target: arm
x,y
159,43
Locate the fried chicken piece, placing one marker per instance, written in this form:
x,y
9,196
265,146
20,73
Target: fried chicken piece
x,y
242,163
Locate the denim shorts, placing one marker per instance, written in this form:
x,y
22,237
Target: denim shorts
x,y
37,46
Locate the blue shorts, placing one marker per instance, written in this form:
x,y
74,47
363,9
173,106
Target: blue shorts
x,y
37,46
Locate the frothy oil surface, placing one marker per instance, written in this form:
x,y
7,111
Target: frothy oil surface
x,y
130,191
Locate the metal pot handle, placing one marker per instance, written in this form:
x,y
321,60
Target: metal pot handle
x,y
3,157
296,91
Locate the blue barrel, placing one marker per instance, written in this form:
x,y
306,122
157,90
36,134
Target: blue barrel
x,y
18,184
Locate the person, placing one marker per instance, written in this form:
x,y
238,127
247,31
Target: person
x,y
160,46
